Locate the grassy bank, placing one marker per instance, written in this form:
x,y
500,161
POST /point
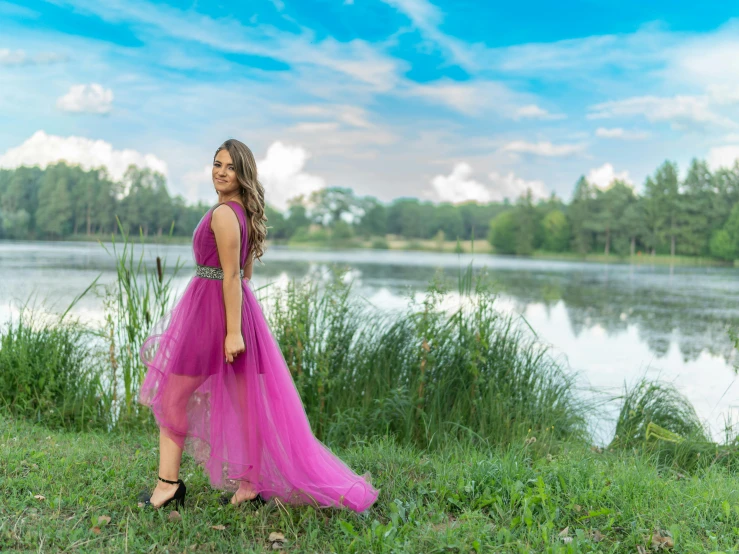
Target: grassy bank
x,y
484,247
54,487
447,247
643,259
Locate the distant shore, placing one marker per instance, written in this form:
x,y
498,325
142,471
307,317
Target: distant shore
x,y
450,247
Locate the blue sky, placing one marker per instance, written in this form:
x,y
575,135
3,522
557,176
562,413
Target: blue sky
x,y
443,100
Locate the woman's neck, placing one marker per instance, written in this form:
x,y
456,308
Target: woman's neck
x,y
222,199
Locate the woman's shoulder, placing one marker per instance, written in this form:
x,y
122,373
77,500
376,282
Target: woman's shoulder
x,y
221,214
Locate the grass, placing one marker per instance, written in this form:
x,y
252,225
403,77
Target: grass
x,y
48,372
460,499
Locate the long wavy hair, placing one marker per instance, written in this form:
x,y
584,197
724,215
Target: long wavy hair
x,y
252,194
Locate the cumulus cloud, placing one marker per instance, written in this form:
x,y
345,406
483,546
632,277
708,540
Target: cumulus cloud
x,y
603,176
723,156
42,149
532,111
543,148
707,57
92,98
281,172
680,111
19,57
460,186
512,186
620,133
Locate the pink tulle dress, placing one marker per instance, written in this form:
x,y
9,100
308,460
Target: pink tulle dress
x,y
243,421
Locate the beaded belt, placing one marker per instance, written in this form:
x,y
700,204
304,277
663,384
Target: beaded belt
x,y
209,272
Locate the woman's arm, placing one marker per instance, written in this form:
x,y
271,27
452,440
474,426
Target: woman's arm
x,y
248,268
226,228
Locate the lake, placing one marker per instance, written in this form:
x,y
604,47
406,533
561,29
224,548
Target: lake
x,y
610,323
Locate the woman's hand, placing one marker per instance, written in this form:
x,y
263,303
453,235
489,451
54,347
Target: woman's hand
x,y
233,346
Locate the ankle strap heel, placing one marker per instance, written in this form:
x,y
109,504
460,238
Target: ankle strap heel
x,y
171,482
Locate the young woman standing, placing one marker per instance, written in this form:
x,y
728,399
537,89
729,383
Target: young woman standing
x,y
217,381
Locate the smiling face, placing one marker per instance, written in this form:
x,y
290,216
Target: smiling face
x,y
224,174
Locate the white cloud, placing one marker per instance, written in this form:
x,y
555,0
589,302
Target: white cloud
x,y
708,58
476,97
723,156
339,130
543,148
460,186
532,111
724,95
620,133
19,57
42,149
511,186
463,97
353,116
603,176
281,173
680,111
92,98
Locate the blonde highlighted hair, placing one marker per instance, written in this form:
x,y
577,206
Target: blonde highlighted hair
x,y
252,194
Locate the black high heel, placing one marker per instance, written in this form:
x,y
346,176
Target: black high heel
x,y
225,500
178,498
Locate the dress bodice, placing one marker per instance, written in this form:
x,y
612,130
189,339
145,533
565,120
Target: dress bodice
x,y
204,246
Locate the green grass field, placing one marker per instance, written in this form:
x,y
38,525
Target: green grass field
x,y
55,487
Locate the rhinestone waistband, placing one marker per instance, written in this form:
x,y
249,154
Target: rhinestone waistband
x,y
209,272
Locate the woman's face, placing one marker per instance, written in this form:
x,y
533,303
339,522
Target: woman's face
x,y
224,173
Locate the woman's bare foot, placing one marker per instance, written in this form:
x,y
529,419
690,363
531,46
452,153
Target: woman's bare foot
x,y
162,493
245,493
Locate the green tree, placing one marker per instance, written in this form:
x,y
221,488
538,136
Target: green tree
x,y
448,219
696,207
526,225
54,215
663,206
579,214
556,231
373,221
503,230
634,224
723,246
606,217
297,216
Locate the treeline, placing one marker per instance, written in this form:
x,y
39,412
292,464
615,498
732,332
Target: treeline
x,y
694,216
62,201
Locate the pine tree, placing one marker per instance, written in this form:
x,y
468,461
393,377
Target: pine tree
x,y
54,214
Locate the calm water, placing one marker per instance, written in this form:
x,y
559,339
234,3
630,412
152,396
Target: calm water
x,y
609,323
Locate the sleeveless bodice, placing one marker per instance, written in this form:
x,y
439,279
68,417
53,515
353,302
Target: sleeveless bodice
x,y
204,246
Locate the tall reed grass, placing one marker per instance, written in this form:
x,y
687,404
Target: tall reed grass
x,y
137,299
430,374
48,373
658,420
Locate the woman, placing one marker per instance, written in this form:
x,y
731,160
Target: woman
x,y
217,382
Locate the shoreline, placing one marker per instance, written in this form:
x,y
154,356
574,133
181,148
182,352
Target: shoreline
x,y
431,246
